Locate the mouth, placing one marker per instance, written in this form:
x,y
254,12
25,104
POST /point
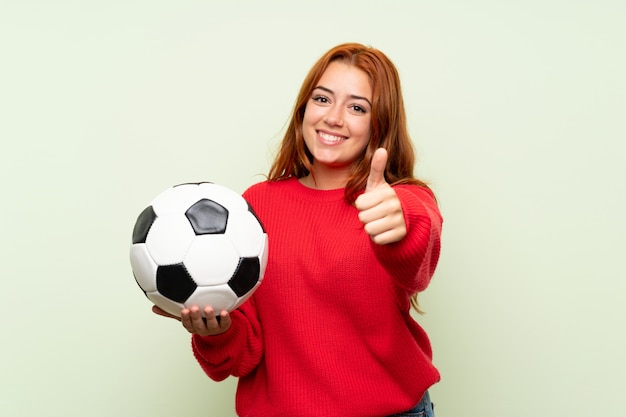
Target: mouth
x,y
327,137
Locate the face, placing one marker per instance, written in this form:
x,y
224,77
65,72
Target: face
x,y
336,124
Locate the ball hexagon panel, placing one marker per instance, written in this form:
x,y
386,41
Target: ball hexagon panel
x,y
169,239
225,196
251,210
165,303
246,233
220,297
176,200
144,268
211,259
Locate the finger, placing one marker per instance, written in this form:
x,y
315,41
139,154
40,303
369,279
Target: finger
x,y
377,204
193,321
384,229
377,169
185,318
383,225
370,214
390,236
225,320
198,322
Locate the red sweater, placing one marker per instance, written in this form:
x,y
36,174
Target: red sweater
x,y
328,333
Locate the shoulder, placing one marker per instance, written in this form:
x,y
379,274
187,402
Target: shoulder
x,y
264,187
256,187
421,192
267,190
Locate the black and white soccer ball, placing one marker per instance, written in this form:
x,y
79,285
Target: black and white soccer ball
x,y
198,244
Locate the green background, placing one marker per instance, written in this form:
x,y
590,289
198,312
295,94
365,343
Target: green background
x,y
517,111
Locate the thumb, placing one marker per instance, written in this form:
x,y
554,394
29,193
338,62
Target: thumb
x,y
377,170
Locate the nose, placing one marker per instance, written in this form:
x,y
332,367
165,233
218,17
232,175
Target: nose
x,y
334,116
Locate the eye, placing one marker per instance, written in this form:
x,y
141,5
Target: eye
x,y
358,109
320,99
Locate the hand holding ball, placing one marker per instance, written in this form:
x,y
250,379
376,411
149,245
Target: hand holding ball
x,y
198,244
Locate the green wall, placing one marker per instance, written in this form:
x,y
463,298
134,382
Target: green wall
x,y
517,112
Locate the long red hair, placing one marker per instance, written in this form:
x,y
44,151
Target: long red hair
x,y
388,123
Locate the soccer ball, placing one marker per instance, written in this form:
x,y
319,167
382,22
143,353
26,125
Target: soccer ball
x,y
198,244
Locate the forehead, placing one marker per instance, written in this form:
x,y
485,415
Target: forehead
x,y
345,78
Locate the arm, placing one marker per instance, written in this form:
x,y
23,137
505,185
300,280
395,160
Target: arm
x,y
228,344
405,228
413,259
404,224
236,351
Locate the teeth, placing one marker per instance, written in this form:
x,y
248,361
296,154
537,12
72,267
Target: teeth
x,y
331,138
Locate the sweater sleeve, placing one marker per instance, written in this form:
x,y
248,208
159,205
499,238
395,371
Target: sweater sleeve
x,y
412,261
236,352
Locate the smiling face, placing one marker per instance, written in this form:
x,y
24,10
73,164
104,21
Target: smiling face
x,y
336,124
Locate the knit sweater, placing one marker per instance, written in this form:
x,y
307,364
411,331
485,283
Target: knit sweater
x,y
329,331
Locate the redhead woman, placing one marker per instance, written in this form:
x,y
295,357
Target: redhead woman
x,y
353,238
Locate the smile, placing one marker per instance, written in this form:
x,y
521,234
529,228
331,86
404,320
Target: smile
x,y
331,138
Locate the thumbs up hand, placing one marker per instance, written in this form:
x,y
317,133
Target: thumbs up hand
x,y
379,207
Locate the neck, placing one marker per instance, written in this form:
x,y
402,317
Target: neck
x,y
326,179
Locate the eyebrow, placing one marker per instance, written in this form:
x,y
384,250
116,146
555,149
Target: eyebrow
x,y
353,96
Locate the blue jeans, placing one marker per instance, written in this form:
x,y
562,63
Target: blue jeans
x,y
424,408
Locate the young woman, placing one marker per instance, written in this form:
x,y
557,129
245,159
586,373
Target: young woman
x,y
353,237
